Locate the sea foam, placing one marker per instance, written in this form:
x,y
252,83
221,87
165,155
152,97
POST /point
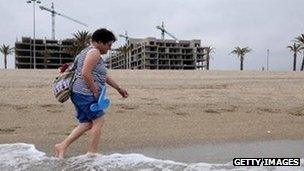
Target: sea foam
x,y
21,156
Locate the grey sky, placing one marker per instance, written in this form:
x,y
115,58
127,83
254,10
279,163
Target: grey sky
x,y
223,24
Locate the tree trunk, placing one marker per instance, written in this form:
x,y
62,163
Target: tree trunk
x,y
5,61
302,67
242,60
208,59
294,61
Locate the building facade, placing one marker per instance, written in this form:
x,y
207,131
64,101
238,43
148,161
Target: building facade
x,y
152,53
49,53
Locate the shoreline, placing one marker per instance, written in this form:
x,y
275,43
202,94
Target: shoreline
x,y
210,153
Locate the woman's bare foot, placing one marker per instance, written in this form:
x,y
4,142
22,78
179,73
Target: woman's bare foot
x,y
59,151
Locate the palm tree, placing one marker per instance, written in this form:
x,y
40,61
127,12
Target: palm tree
x,y
209,50
6,50
300,40
81,40
295,48
241,52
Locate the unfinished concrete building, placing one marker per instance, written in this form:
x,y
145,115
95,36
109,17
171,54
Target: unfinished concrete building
x,y
152,53
49,53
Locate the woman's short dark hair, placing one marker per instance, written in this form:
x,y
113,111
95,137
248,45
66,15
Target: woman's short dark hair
x,y
103,35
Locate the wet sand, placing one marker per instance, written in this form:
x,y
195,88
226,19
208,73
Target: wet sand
x,y
166,109
225,152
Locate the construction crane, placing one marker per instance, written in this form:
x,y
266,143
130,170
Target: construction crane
x,y
163,31
53,12
125,36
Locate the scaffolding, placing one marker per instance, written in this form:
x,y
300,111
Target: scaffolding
x,y
152,53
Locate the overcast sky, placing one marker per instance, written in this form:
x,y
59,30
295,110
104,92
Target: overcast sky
x,y
222,24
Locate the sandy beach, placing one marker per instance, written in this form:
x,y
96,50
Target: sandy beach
x,y
165,109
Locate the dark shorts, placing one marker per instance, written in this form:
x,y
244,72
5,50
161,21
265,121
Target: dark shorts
x,y
82,105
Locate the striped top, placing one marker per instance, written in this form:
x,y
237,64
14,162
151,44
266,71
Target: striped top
x,y
99,73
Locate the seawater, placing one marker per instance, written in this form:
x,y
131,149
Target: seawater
x,y
21,156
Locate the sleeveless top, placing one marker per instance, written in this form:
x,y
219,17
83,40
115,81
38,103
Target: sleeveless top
x,y
99,73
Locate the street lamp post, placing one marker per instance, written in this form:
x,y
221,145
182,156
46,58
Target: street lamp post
x,y
34,31
267,59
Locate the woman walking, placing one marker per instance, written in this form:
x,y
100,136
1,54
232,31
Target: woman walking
x,y
91,75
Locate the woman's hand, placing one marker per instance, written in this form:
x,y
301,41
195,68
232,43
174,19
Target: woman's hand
x,y
122,92
96,92
113,84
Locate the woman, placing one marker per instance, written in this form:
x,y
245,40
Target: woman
x,y
91,75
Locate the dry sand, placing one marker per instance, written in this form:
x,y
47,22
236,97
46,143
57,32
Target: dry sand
x,y
165,109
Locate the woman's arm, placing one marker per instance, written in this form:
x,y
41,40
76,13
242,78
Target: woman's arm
x,y
113,84
90,62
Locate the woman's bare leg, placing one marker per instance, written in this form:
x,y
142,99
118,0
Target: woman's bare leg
x,y
95,135
60,148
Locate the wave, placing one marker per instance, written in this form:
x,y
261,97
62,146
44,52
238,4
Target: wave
x,y
21,156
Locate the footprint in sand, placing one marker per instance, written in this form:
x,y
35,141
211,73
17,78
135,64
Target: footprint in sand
x,y
21,107
54,111
127,107
180,113
53,108
50,106
297,112
212,111
232,108
268,110
8,130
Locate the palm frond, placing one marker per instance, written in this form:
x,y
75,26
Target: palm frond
x,y
210,49
295,48
6,49
300,39
80,41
